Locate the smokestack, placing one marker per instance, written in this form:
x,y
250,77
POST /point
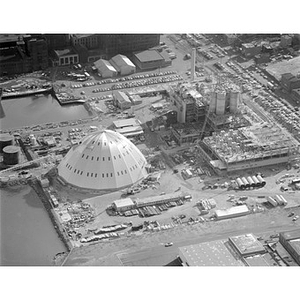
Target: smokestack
x,y
193,64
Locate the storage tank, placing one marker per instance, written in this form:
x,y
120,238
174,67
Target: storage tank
x,y
11,155
261,180
5,140
284,202
240,183
272,201
246,183
251,182
256,181
221,101
278,200
234,101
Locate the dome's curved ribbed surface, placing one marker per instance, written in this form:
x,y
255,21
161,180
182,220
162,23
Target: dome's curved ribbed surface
x,y
103,160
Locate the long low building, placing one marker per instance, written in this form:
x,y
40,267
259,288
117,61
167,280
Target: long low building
x,y
233,212
155,200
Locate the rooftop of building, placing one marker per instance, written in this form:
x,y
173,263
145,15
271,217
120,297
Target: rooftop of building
x,y
295,245
159,198
256,261
4,38
187,129
122,60
123,202
148,55
247,143
291,235
10,54
247,244
104,64
126,122
213,253
65,52
79,36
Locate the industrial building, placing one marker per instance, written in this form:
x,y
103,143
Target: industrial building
x,y
290,82
232,212
103,161
213,253
250,50
148,59
188,102
22,53
243,250
291,242
128,127
105,68
247,245
64,57
123,65
123,204
121,100
185,133
112,44
248,147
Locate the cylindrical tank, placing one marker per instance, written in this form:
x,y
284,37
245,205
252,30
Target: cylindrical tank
x,y
261,180
246,183
272,201
252,183
11,155
278,200
256,181
240,183
5,140
283,200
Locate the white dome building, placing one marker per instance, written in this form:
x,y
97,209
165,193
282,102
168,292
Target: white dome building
x,y
103,160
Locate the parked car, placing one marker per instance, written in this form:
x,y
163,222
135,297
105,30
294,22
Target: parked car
x,y
168,244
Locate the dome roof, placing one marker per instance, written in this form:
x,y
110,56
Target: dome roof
x,y
103,160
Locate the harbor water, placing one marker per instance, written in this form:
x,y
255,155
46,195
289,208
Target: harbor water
x,y
28,237
37,109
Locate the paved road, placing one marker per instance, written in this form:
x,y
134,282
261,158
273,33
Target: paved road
x,y
161,255
148,248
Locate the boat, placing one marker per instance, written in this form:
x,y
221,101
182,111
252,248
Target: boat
x,y
28,92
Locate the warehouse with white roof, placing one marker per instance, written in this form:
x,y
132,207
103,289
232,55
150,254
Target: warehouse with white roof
x,y
123,65
105,68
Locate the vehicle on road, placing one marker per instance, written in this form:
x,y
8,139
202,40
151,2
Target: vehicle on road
x,y
295,218
291,214
168,244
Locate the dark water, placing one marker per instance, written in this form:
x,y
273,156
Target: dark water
x,y
37,110
27,234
